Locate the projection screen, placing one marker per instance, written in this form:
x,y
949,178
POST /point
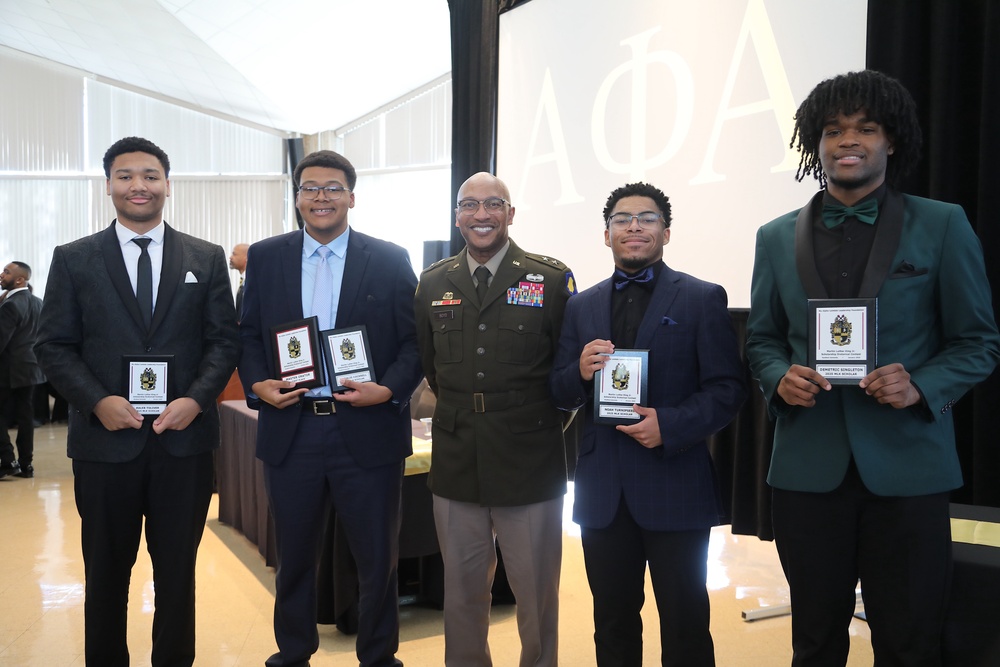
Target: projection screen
x,y
697,98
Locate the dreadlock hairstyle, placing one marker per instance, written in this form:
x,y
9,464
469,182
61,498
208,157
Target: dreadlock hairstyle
x,y
883,99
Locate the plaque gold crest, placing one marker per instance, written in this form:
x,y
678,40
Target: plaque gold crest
x,y
294,348
147,380
620,377
840,331
347,350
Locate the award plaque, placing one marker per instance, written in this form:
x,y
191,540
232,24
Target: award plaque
x,y
620,384
842,338
146,382
297,354
348,356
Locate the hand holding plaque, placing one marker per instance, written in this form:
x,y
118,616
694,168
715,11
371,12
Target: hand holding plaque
x,y
621,384
297,353
348,356
147,381
843,336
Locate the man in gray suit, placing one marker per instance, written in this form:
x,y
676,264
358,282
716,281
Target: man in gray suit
x,y
19,371
135,313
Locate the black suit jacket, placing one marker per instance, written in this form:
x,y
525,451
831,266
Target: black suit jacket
x,y
91,319
377,291
18,326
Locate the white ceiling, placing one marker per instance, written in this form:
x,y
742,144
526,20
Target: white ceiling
x,y
293,65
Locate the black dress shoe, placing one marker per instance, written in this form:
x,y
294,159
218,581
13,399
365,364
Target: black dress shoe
x,y
27,471
11,468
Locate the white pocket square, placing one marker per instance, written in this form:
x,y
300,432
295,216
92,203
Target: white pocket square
x,y
189,278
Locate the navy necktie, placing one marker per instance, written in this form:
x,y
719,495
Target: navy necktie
x,y
623,279
144,281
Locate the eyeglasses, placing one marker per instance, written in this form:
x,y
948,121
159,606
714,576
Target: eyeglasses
x,y
491,204
333,192
647,219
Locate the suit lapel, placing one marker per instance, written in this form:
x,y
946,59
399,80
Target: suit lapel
x,y
114,263
602,317
170,274
805,257
664,293
290,270
355,265
888,232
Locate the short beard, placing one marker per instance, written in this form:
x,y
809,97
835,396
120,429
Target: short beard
x,y
633,264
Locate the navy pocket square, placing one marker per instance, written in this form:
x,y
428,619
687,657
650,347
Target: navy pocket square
x,y
667,320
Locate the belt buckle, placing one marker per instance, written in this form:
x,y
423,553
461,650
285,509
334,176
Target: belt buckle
x,y
479,402
323,408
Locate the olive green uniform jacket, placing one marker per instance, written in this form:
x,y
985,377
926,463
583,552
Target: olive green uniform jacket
x,y
497,435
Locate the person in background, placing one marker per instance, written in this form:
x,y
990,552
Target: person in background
x,y
321,449
488,320
646,492
238,261
118,304
19,370
861,472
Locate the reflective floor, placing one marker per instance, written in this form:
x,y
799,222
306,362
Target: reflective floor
x,y
41,593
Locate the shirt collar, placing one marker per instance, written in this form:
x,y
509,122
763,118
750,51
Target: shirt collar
x,y
125,235
338,246
493,263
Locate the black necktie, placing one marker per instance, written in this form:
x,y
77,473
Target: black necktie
x,y
866,211
482,275
622,279
144,281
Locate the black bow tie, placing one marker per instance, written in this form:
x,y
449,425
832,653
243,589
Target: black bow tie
x,y
622,279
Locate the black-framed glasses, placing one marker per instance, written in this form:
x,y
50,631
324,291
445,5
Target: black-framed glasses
x,y
647,219
333,192
491,204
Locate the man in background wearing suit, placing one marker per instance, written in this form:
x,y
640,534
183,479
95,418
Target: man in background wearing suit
x,y
19,370
646,492
138,289
238,261
488,321
348,447
861,472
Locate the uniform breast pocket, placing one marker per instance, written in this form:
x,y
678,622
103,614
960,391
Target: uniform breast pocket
x,y
520,334
448,341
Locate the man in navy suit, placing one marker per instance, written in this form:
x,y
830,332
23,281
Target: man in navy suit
x,y
19,370
319,447
647,491
136,289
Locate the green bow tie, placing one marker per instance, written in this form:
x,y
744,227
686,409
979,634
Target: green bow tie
x,y
866,211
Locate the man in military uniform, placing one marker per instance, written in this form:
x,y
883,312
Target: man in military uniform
x,y
488,321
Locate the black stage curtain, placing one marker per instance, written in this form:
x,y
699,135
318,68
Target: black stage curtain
x,y
947,54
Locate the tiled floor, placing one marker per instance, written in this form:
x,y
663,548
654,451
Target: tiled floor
x,y
41,594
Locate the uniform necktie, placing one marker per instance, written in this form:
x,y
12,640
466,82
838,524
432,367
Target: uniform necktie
x,y
144,281
623,279
323,288
482,275
866,211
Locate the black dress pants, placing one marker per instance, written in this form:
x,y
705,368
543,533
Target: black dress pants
x,y
899,547
616,558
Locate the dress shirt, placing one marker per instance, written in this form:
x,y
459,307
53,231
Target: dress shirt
x,y
842,252
310,262
131,252
628,307
493,264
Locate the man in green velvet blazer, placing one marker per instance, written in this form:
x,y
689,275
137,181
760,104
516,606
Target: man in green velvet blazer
x,y
861,472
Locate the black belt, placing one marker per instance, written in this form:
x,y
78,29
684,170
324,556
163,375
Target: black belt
x,y
319,406
492,401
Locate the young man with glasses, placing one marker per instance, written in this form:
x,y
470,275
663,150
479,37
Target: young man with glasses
x,y
321,448
488,320
645,492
